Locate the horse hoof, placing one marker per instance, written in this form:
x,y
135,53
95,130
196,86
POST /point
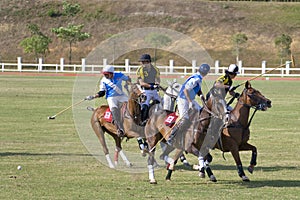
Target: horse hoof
x,y
201,175
213,178
250,169
245,178
153,181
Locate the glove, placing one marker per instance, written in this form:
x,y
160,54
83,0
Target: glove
x,y
89,98
232,88
190,105
153,86
236,95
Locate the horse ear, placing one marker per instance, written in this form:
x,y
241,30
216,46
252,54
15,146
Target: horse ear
x,y
247,85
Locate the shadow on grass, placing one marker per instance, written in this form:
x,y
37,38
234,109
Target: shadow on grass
x,y
40,154
263,183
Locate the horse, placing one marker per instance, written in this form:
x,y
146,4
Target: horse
x,y
156,130
235,135
130,112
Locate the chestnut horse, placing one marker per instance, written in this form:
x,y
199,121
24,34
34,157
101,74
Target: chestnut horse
x,y
130,113
186,139
236,134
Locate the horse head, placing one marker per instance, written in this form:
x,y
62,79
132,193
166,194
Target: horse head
x,y
253,98
137,94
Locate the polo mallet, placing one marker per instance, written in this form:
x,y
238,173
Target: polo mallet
x,y
64,110
255,77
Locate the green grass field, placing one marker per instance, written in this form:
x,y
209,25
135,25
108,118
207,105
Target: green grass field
x,y
57,165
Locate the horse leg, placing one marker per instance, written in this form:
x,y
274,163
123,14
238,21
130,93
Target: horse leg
x,y
100,134
171,165
246,147
208,160
151,162
236,156
119,151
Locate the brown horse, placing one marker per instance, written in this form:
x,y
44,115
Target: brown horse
x,y
236,134
130,113
186,139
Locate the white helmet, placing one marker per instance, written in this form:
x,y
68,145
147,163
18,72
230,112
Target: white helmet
x,y
108,69
233,68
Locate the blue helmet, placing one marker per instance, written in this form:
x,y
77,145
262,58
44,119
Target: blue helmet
x,y
145,57
204,69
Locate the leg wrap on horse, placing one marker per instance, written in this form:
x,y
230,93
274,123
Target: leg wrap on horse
x,y
240,170
253,158
144,115
117,119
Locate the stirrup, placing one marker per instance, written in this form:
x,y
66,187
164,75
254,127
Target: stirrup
x,y
144,122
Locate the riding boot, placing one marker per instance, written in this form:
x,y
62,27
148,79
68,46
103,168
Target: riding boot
x,y
183,125
117,121
144,115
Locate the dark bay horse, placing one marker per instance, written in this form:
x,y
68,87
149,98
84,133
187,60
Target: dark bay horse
x,y
130,113
235,135
185,140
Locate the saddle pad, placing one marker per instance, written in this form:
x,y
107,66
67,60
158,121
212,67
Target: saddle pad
x,y
171,119
108,116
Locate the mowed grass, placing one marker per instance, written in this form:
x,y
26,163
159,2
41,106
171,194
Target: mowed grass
x,y
56,165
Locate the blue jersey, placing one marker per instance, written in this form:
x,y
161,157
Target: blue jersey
x,y
193,85
113,87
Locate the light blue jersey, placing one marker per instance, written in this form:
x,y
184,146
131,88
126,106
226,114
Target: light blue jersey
x,y
193,85
113,87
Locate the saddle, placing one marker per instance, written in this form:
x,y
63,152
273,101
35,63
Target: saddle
x,y
107,116
170,119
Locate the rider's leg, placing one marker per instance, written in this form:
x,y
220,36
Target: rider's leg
x,y
144,115
117,120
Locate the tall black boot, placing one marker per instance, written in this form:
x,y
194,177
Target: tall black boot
x,y
117,121
144,115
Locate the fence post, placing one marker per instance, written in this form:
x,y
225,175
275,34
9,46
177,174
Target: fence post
x,y
126,65
263,66
83,64
62,64
40,66
19,64
104,62
171,63
194,65
217,65
287,67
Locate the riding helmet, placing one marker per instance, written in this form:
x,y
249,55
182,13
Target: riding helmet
x,y
145,57
204,69
108,70
233,69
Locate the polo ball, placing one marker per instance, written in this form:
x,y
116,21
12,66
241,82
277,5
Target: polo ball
x,y
19,167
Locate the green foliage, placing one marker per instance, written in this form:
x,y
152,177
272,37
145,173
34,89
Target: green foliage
x,y
38,43
239,40
70,9
283,44
71,34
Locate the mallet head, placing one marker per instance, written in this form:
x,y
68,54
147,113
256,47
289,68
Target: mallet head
x,y
51,117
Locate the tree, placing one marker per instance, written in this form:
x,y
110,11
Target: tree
x,y
38,43
157,40
70,9
283,44
71,34
239,40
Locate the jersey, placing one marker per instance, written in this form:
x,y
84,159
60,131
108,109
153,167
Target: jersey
x,y
193,85
225,80
113,87
148,75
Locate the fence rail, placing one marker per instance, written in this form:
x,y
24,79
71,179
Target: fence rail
x,y
284,71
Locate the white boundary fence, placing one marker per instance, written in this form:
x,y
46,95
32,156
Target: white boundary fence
x,y
284,71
